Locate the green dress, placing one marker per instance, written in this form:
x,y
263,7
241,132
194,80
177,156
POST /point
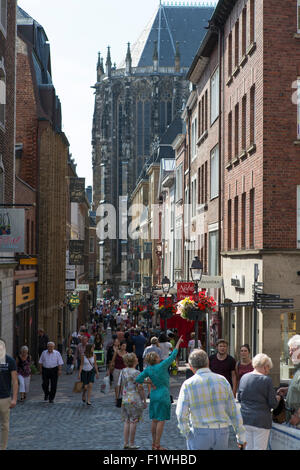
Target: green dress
x,y
160,403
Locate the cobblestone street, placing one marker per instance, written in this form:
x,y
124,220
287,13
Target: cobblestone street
x,y
68,424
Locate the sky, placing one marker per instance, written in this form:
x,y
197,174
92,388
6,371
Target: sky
x,y
77,30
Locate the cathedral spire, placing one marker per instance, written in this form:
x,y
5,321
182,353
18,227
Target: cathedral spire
x,y
100,70
108,62
128,60
155,57
177,58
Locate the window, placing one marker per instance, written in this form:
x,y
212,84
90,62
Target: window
x,y
236,130
2,94
251,217
214,173
252,21
214,96
199,119
178,244
200,184
179,182
298,108
252,115
236,223
244,32
102,182
243,224
205,183
205,110
194,197
298,216
91,270
205,253
92,245
3,16
244,122
230,136
213,253
229,225
230,54
236,45
194,138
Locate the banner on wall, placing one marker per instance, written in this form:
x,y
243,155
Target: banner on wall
x,y
12,230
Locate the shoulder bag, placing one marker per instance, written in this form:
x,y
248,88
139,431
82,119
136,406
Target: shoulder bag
x,y
119,399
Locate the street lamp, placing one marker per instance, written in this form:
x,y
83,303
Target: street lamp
x,y
165,283
196,275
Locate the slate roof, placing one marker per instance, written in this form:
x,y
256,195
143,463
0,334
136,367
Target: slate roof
x,y
185,24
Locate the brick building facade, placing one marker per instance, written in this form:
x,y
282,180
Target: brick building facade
x,y
7,160
244,104
43,166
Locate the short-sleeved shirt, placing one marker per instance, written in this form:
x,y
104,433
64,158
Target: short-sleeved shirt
x,y
139,342
153,348
51,360
5,376
224,367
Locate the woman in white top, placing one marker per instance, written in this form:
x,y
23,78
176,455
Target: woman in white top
x,y
88,369
191,344
165,346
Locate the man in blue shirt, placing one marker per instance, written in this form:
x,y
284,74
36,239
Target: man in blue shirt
x,y
139,341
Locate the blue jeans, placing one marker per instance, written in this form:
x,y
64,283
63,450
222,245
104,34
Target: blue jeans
x,y
208,439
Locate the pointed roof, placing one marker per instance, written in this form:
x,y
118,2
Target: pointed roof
x,y
170,24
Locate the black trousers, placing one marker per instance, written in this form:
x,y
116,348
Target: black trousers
x,y
49,376
140,364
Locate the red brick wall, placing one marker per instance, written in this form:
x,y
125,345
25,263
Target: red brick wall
x,y
246,172
281,165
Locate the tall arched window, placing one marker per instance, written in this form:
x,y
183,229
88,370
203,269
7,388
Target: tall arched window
x,y
2,93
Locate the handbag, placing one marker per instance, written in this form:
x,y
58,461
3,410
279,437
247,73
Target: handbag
x,y
105,387
278,414
119,399
78,387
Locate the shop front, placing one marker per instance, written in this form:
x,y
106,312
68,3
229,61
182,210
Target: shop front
x,y
289,326
25,318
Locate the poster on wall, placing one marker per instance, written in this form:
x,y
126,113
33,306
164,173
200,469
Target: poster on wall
x,y
77,190
76,252
12,228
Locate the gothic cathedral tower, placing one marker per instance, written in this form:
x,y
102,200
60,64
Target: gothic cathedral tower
x,y
134,104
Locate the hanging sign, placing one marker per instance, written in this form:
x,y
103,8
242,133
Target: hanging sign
x,y
77,190
12,228
76,252
185,289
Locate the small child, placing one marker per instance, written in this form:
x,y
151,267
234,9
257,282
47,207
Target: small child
x,y
70,361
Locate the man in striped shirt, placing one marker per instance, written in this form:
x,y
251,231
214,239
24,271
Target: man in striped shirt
x,y
206,408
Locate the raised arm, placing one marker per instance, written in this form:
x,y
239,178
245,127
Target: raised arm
x,y
142,376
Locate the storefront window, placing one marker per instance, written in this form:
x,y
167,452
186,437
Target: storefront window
x,y
290,326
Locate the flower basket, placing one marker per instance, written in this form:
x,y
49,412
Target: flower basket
x,y
190,309
166,312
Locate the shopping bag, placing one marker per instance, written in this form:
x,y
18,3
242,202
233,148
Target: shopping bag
x,y
105,387
78,387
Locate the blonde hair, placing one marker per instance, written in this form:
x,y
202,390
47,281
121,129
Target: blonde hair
x,y
129,359
151,358
261,360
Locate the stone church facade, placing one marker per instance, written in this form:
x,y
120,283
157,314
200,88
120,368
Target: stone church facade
x,y
134,105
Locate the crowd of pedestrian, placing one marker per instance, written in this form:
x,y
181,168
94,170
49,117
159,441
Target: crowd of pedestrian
x,y
220,392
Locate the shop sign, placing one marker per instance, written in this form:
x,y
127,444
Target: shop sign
x,y
82,287
70,285
76,252
12,228
74,300
185,289
25,293
208,282
77,190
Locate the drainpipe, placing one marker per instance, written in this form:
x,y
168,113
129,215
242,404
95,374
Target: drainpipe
x,y
189,113
221,81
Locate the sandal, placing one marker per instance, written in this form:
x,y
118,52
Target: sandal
x,y
88,403
159,448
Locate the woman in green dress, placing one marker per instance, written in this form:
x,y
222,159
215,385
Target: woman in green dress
x,y
160,403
